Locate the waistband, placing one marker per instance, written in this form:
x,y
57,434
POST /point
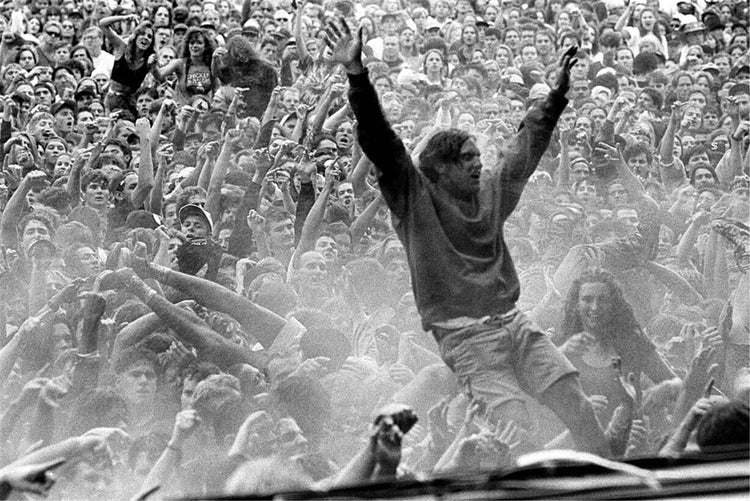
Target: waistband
x,y
442,329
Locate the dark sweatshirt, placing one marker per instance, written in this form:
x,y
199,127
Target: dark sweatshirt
x,y
459,263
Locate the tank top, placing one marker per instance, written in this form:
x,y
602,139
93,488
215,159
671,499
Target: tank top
x,y
123,74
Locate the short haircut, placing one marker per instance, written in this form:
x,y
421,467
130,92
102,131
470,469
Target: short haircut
x,y
723,426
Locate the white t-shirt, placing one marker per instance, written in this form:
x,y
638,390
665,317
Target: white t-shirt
x,y
103,63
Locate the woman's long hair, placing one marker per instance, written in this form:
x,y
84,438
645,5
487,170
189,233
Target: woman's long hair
x,y
624,334
208,52
131,52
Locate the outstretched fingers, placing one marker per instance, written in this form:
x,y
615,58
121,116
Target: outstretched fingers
x,y
345,27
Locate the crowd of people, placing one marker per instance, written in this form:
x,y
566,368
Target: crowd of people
x,y
250,247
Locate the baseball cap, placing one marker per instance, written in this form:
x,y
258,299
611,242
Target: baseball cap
x,y
431,24
195,210
180,27
59,105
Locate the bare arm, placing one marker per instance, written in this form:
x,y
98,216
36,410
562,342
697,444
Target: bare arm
x,y
118,44
146,167
360,225
213,200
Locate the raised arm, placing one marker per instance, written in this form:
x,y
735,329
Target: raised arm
x,y
118,44
522,155
378,140
213,198
146,167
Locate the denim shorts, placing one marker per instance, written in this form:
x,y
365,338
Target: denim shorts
x,y
503,359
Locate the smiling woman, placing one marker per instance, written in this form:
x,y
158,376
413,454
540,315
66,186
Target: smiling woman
x,y
599,325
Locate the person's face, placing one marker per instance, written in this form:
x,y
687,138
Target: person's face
x,y
161,17
466,122
407,38
624,58
512,39
96,195
26,60
144,40
723,64
281,234
313,269
188,391
543,44
161,38
529,54
579,172
64,120
629,217
618,195
697,99
101,81
290,99
89,261
137,385
469,35
648,20
638,164
527,37
62,165
196,46
705,201
703,177
93,42
52,151
594,306
344,135
195,227
328,248
586,192
34,230
464,178
580,89
142,104
434,63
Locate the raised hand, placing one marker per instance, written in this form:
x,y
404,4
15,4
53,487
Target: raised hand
x,y
33,478
346,48
568,61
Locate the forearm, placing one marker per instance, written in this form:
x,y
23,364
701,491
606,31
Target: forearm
x,y
363,221
563,174
332,122
241,240
156,196
321,113
136,331
667,144
145,174
312,223
305,202
674,282
716,271
358,177
687,243
12,214
359,469
206,174
213,198
264,324
630,180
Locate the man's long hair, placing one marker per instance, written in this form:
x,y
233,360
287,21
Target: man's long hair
x,y
443,148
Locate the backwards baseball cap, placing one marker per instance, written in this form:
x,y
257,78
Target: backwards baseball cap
x,y
196,210
59,105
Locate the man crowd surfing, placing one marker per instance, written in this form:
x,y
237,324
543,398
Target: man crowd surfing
x,y
270,245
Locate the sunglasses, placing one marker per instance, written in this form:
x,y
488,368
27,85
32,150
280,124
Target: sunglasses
x,y
53,33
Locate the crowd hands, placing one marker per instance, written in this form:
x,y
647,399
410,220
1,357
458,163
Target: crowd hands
x,y
202,290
